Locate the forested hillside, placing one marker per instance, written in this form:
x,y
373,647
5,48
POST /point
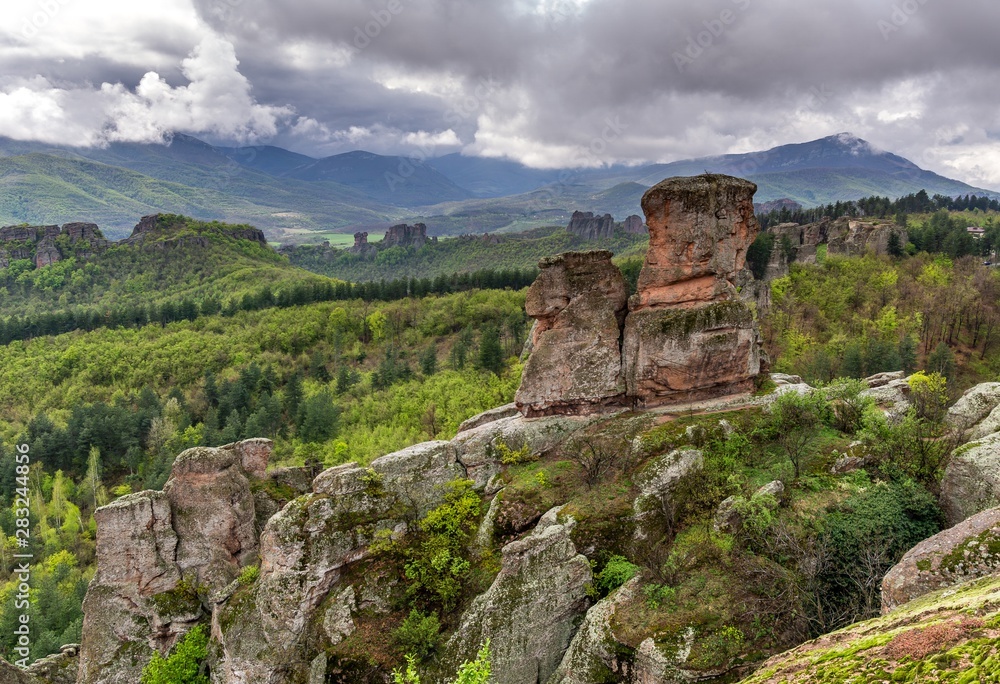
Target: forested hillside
x,y
458,255
105,412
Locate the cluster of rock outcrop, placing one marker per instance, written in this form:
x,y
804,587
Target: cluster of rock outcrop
x,y
843,236
685,336
591,227
40,244
172,559
404,235
46,245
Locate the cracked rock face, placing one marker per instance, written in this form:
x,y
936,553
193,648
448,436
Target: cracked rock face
x,y
579,302
531,612
199,529
688,337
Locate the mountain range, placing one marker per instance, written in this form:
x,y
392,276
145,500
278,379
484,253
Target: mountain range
x,y
297,198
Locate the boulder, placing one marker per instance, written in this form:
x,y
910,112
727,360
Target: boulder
x,y
531,612
656,484
9,674
971,482
213,509
595,650
58,668
893,397
491,416
883,379
987,426
475,449
969,550
974,405
579,302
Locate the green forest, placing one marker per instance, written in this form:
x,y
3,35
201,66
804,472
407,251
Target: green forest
x,y
457,255
344,374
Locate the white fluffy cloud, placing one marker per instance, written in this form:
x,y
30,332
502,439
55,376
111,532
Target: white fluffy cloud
x,y
216,100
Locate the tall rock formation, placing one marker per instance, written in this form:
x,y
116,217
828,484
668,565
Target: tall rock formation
x,y
403,235
361,245
688,336
634,225
161,555
579,303
591,227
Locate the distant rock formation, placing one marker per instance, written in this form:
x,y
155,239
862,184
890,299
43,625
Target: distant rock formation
x,y
41,244
404,235
686,336
777,205
591,227
634,225
361,246
152,228
844,236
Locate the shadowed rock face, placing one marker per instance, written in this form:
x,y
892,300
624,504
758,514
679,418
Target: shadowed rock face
x,y
579,301
699,231
591,227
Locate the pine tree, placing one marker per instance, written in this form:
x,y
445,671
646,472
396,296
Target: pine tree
x,y
490,351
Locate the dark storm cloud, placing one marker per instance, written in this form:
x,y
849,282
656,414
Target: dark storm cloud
x,y
581,82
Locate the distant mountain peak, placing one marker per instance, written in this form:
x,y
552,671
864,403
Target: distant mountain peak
x,y
853,144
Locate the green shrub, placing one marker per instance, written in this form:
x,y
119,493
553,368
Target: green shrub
x,y
436,564
476,672
183,665
249,575
617,571
419,634
510,456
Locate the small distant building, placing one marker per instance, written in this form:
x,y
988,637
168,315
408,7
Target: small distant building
x,y
975,231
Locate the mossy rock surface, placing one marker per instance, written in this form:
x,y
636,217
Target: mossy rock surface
x,y
949,636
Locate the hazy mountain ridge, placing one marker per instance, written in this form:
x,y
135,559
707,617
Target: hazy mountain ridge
x,y
292,196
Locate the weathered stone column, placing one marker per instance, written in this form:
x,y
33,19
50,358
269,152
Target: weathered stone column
x,y
579,302
687,335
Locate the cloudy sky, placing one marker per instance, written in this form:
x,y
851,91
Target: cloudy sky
x,y
550,83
